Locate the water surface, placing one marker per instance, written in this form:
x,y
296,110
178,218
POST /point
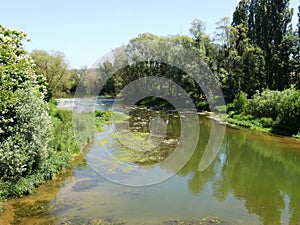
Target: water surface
x,y
254,179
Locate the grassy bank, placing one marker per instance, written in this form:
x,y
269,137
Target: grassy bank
x,y
269,111
61,149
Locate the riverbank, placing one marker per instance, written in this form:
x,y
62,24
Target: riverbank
x,y
62,149
276,112
224,119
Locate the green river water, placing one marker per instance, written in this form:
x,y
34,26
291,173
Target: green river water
x,y
254,179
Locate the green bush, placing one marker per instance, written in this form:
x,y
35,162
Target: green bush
x,y
266,122
265,104
59,152
202,105
25,149
31,150
16,72
288,121
278,110
243,117
240,102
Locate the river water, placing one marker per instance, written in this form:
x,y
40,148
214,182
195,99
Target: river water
x,y
254,179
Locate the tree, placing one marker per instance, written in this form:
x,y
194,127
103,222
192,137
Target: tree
x,y
55,69
298,24
202,42
268,24
240,64
24,121
240,15
16,71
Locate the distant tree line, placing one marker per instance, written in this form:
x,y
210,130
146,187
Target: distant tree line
x,y
254,56
258,50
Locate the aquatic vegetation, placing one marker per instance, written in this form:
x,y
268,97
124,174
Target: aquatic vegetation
x,y
92,221
103,141
86,184
202,221
131,150
106,117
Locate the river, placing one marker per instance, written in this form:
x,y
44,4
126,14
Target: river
x,y
254,179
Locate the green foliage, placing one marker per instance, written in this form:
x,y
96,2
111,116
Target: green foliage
x,y
101,118
279,111
31,150
240,102
288,121
59,153
16,72
24,120
54,67
265,104
266,122
202,105
62,130
26,149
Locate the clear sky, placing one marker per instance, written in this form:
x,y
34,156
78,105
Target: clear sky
x,y
85,30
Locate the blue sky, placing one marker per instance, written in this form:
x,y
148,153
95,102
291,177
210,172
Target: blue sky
x,y
86,30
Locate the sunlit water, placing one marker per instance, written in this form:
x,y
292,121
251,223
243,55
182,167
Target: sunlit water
x,y
255,179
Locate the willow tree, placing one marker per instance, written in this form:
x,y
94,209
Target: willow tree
x,y
55,68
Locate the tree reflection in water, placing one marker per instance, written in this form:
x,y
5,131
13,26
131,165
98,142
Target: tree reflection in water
x,y
261,170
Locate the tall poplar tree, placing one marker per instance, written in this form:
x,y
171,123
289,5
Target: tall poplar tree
x,y
268,25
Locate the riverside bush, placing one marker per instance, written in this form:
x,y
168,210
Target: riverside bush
x,y
288,121
25,149
240,102
265,104
16,72
277,110
24,120
60,150
32,149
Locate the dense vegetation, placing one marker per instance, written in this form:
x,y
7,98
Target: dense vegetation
x,y
257,54
61,82
256,60
36,138
275,111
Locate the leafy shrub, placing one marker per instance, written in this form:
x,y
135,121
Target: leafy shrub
x,y
278,110
24,121
60,150
202,105
26,148
243,117
16,71
288,120
266,122
243,123
26,159
265,104
240,102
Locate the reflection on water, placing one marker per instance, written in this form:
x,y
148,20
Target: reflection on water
x,y
255,179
